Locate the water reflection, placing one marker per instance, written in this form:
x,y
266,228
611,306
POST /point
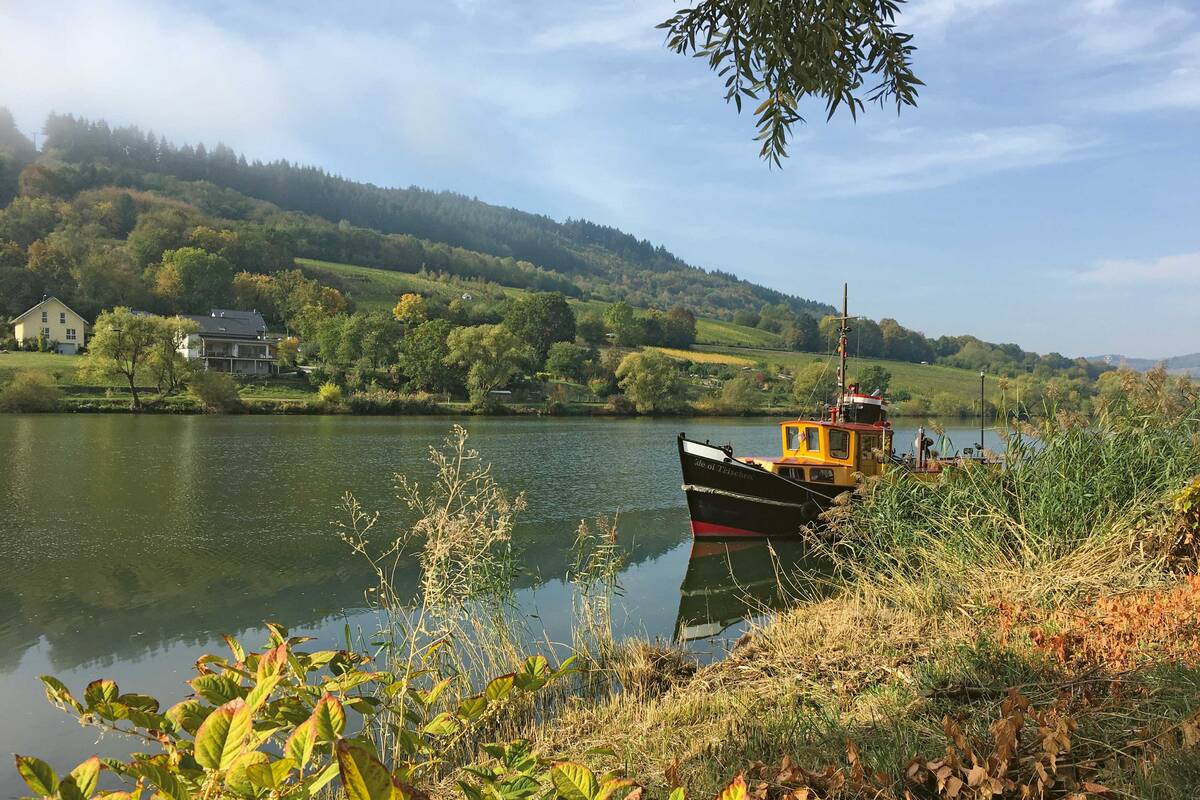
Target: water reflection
x,y
732,581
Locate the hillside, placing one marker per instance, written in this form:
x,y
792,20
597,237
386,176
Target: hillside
x,y
1188,364
601,261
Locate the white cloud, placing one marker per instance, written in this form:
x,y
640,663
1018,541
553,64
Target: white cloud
x,y
933,17
626,24
1175,270
904,159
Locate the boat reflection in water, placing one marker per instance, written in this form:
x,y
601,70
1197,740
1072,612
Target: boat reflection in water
x,y
731,581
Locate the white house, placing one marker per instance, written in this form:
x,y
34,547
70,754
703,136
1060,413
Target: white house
x,y
231,341
59,326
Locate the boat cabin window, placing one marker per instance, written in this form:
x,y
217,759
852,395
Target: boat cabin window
x,y
812,440
793,437
792,473
839,443
821,474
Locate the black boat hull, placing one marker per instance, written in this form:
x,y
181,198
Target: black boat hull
x,y
728,498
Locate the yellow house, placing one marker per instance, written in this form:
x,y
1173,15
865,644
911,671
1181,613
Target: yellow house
x,y
58,325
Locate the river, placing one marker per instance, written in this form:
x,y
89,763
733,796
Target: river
x,y
128,544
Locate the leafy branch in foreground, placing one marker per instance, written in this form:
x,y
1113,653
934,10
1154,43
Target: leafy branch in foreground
x,y
278,724
777,53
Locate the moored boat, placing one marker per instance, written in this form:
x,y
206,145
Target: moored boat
x,y
821,459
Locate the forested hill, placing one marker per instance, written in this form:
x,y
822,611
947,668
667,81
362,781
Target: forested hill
x,y
602,261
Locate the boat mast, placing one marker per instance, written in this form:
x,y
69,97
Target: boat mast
x,y
842,340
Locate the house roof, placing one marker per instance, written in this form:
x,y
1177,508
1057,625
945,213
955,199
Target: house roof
x,y
45,300
230,322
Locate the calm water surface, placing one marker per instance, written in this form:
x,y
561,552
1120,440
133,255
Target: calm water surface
x,y
128,544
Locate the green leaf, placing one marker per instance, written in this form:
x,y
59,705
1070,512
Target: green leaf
x,y
188,715
68,790
261,691
429,698
315,783
216,689
364,777
101,691
235,647
677,794
574,781
499,687
166,781
222,736
533,674
142,702
58,693
38,775
348,680
330,718
299,745
611,785
237,778
86,775
444,724
269,775
473,707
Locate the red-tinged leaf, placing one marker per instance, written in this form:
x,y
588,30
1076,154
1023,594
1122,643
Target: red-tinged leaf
x,y
574,781
1096,788
299,745
38,775
223,735
612,785
329,718
364,777
272,661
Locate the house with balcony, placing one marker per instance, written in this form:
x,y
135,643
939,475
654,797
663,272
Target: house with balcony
x,y
54,323
231,341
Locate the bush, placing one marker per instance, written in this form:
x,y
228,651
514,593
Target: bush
x,y
216,391
31,391
947,405
329,395
387,401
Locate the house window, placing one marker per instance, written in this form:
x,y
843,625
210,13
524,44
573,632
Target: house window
x,y
812,439
46,332
62,318
839,444
70,334
45,317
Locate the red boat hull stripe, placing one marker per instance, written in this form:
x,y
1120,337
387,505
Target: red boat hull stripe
x,y
713,529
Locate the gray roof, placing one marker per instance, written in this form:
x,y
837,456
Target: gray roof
x,y
230,322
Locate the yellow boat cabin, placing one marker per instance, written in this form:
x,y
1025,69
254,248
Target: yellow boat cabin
x,y
832,451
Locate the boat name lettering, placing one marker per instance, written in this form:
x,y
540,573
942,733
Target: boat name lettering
x,y
720,469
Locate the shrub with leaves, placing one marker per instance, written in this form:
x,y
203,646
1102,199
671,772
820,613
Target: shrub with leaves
x,y
30,391
277,724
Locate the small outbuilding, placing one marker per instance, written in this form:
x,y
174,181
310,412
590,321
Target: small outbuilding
x,y
59,328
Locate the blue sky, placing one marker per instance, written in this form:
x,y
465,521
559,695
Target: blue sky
x,y
1046,190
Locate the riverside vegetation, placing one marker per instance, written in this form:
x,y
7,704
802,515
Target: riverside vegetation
x,y
1022,633
410,300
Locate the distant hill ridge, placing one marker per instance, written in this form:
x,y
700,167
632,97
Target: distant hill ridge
x,y
1189,363
602,260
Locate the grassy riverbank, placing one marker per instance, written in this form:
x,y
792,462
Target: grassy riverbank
x,y
1030,632
1034,630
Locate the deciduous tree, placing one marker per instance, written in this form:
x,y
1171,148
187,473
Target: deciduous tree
x,y
651,381
139,349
